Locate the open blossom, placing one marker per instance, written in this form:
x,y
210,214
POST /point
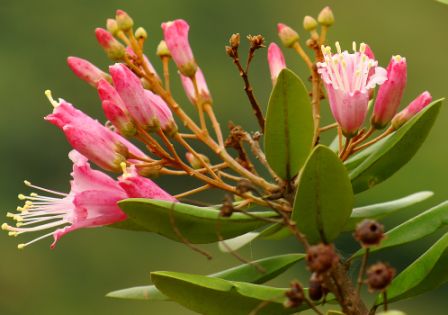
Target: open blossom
x,y
390,93
176,38
412,109
276,61
204,93
87,71
99,144
348,79
91,202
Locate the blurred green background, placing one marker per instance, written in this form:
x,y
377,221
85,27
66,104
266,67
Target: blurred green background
x,y
37,36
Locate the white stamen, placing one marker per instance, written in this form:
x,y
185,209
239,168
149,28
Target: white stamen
x,y
22,246
27,183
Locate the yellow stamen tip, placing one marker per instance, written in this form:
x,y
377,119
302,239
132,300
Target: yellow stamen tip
x,y
124,169
27,183
5,227
21,197
34,194
397,58
12,234
19,224
10,215
50,98
21,246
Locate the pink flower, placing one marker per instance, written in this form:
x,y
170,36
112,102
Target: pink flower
x,y
86,71
162,112
412,109
347,80
137,186
176,38
115,109
91,202
113,48
390,93
99,144
276,61
187,83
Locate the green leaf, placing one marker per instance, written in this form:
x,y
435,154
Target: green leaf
x,y
427,273
273,267
196,224
413,229
396,150
381,210
213,296
443,1
289,125
324,197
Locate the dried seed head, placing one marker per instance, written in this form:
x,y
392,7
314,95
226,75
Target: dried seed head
x,y
315,288
321,258
379,276
294,296
369,233
234,40
230,52
256,41
227,208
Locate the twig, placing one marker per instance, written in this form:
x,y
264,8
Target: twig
x,y
193,191
386,306
328,127
362,269
166,72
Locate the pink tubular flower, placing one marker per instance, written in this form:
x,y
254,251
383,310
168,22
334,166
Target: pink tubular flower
x,y
86,135
91,202
412,109
113,48
390,93
86,71
115,109
162,112
137,186
176,38
276,61
348,79
187,83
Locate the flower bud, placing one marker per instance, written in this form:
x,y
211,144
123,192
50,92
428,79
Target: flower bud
x,y
326,17
163,114
113,48
369,233
87,71
315,289
412,109
227,208
309,23
204,93
390,93
162,50
124,21
148,170
234,40
256,41
321,258
148,64
112,26
276,61
295,295
379,276
140,33
287,35
195,162
176,38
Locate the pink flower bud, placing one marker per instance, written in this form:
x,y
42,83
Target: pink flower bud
x,y
348,79
148,64
187,83
412,109
137,186
124,21
390,93
162,112
86,71
113,48
276,61
131,91
287,35
176,38
86,135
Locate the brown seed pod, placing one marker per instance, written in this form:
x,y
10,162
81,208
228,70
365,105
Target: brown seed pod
x,y
369,232
321,258
294,296
379,276
315,289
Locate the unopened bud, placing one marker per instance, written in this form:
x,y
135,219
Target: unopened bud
x,y
148,170
411,110
315,288
256,41
230,51
140,33
287,35
321,258
294,296
112,26
379,276
227,208
309,23
87,71
234,40
162,50
195,162
124,21
113,48
369,233
326,17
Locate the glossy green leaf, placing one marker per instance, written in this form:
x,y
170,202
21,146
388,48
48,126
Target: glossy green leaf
x,y
396,150
213,296
273,266
196,224
428,272
324,197
289,125
381,210
416,228
443,1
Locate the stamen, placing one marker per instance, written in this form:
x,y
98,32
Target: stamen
x,y
338,47
27,183
124,170
354,46
362,48
22,246
50,98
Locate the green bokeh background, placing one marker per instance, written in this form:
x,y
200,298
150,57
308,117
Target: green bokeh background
x,y
36,36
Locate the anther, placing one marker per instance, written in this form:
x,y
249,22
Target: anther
x,y
21,246
338,47
21,197
5,227
27,183
12,234
354,46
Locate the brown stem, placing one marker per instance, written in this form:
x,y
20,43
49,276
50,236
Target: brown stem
x,y
381,136
193,191
166,72
328,127
211,114
385,301
362,269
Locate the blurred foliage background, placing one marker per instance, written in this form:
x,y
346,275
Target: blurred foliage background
x,y
36,36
